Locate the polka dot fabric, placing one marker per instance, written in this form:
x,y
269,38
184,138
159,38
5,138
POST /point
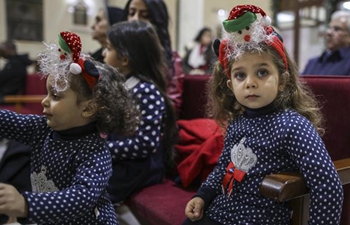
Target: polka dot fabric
x,y
148,136
282,141
138,161
68,177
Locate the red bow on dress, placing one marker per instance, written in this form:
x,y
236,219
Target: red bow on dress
x,y
232,173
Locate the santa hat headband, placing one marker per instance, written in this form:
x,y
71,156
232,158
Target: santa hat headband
x,y
244,32
66,59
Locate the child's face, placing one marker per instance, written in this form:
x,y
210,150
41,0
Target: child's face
x,y
254,80
206,38
61,109
111,58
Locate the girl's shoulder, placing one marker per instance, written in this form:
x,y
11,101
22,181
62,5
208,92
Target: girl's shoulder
x,y
292,120
145,87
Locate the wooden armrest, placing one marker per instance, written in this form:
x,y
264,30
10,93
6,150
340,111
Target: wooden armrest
x,y
289,185
23,98
18,100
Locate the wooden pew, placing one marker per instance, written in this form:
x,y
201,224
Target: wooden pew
x,y
292,187
19,100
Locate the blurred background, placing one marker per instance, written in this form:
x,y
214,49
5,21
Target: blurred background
x,y
301,23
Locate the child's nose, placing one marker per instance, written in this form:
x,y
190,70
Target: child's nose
x,y
251,82
44,102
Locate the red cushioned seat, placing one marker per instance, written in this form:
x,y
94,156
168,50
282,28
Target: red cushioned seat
x,y
162,204
35,86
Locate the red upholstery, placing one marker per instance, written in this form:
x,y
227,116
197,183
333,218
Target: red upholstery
x,y
194,97
334,94
162,204
165,203
35,85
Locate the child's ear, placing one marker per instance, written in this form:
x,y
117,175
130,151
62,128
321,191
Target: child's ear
x,y
125,61
229,85
89,109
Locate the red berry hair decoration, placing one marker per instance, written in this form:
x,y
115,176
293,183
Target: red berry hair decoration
x,y
245,32
65,59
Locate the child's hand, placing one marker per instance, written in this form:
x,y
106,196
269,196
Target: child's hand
x,y
12,203
194,209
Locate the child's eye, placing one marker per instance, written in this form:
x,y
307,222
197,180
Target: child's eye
x,y
55,95
262,73
240,75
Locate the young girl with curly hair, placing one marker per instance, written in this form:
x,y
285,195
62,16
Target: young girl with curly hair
x,y
70,162
273,125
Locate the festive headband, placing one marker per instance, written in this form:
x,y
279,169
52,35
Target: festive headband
x,y
245,32
66,59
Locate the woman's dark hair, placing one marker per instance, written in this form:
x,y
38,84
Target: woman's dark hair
x,y
138,41
159,17
200,34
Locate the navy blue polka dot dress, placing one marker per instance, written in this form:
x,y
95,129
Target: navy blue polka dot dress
x,y
68,177
138,160
260,145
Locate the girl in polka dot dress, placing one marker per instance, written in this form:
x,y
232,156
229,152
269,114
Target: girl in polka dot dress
x,y
273,125
134,49
70,162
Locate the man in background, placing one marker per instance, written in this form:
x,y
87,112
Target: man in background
x,y
335,60
13,74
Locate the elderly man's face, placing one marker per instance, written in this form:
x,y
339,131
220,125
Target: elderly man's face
x,y
338,35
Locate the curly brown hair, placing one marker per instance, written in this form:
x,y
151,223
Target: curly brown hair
x,y
223,106
116,109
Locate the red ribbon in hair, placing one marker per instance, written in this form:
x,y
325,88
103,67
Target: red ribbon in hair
x,y
89,72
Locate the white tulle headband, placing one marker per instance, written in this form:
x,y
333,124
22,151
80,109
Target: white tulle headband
x,y
62,60
245,32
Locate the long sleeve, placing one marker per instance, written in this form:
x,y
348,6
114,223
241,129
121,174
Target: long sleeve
x,y
55,201
21,128
148,135
68,177
311,157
